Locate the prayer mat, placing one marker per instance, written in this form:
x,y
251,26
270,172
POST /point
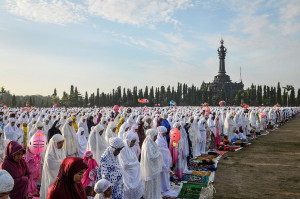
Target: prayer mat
x,y
196,179
202,173
191,191
222,152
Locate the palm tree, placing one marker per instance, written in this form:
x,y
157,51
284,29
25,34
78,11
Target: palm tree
x,y
287,88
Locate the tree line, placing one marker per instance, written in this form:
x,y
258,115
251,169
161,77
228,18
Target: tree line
x,y
183,95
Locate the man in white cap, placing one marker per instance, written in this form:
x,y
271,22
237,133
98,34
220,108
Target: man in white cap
x,y
7,184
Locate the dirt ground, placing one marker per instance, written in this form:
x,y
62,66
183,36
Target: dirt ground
x,y
269,168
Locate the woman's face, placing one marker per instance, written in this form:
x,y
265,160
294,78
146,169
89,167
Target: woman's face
x,y
57,127
132,143
60,144
100,132
82,132
114,130
164,134
78,176
18,157
127,129
117,151
71,123
108,192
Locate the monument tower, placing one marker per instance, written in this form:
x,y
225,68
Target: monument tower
x,y
222,86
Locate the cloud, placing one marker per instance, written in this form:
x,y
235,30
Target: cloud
x,y
47,11
137,12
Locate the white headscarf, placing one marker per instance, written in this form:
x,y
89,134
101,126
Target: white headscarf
x,y
10,132
122,130
53,158
133,184
82,142
101,186
151,158
71,143
109,133
163,146
84,126
6,181
97,143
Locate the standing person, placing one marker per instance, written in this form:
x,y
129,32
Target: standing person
x,y
7,184
110,169
96,142
82,142
133,185
25,130
151,164
177,153
82,123
16,166
141,133
55,129
229,126
68,182
121,122
110,131
3,143
10,130
217,130
53,157
90,123
90,175
71,143
167,162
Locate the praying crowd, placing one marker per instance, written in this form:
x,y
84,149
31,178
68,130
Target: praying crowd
x,y
116,153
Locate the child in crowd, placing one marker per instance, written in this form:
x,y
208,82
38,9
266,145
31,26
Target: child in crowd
x,y
90,192
90,175
103,189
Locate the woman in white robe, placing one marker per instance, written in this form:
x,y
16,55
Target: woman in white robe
x,y
10,130
3,143
167,162
151,164
97,143
82,142
71,143
229,126
82,123
132,178
123,129
54,155
110,131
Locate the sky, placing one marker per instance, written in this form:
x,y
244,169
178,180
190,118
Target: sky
x,y
47,44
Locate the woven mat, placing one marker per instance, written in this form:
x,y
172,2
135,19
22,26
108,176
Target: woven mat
x,y
191,191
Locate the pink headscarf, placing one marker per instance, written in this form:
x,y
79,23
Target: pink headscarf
x,y
92,167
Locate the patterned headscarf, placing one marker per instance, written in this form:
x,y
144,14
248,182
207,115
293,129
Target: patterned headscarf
x,y
116,143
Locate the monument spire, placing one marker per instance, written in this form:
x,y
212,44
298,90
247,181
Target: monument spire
x,y
222,53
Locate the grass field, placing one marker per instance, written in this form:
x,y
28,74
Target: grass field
x,y
269,168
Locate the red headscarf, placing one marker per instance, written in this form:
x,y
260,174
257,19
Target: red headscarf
x,y
18,170
64,186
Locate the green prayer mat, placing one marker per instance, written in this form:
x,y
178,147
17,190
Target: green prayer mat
x,y
191,191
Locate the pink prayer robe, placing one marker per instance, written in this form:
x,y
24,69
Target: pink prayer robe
x,y
177,157
34,164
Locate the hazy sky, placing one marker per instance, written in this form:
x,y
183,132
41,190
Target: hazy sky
x,y
47,44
